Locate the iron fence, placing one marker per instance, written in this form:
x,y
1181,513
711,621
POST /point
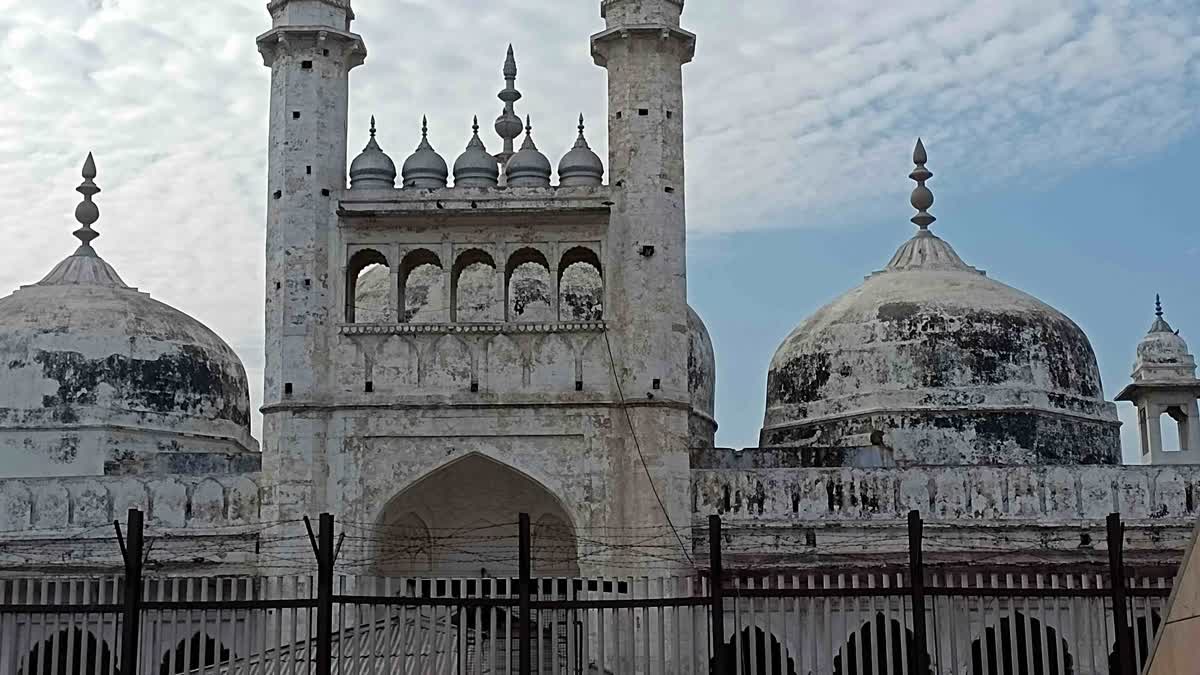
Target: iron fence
x,y
907,620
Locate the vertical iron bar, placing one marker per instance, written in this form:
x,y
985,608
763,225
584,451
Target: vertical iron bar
x,y
1116,571
917,656
524,661
716,592
325,595
131,621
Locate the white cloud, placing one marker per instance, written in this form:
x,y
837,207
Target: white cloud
x,y
797,111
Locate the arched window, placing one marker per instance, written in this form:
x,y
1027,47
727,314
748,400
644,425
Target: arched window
x,y
473,287
1033,644
422,288
528,286
580,286
191,655
368,288
70,652
759,652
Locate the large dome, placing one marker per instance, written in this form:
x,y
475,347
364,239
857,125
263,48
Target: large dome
x,y
930,361
97,377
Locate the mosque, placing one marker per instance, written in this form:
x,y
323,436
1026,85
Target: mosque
x,y
451,344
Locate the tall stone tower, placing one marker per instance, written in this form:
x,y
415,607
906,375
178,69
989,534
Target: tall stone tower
x,y
310,51
644,50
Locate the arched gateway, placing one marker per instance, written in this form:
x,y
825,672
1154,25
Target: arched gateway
x,y
461,520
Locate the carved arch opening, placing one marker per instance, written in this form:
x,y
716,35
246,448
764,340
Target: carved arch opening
x,y
469,510
192,654
368,287
422,284
1021,645
473,288
878,646
580,285
70,652
529,294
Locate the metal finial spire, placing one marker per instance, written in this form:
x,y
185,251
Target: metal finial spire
x,y
510,64
372,126
475,125
528,144
424,127
87,213
922,197
581,142
1158,306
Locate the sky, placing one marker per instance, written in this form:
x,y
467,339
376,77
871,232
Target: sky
x,y
1064,136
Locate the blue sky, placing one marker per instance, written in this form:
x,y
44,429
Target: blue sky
x,y
1097,244
1063,136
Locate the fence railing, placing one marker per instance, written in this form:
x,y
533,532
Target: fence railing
x,y
903,620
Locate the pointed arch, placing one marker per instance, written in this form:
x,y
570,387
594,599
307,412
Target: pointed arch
x,y
580,285
470,508
473,287
368,287
422,288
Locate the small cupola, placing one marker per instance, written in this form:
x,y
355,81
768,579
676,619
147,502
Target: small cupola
x,y
580,166
372,169
475,167
529,167
425,168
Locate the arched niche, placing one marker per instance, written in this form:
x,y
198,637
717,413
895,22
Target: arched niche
x,y
190,655
580,285
1033,644
368,288
423,297
473,288
758,652
70,652
470,508
871,650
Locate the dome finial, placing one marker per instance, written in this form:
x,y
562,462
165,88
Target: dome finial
x,y
581,125
87,213
424,127
508,124
922,197
372,126
1158,306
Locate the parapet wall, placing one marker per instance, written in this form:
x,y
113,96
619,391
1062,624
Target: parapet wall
x,y
1043,495
176,502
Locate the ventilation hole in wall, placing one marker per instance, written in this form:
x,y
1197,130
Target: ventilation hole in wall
x,y
324,193
474,387
308,169
325,52
278,285
278,194
618,114
810,538
670,114
295,114
306,65
370,387
657,384
287,388
642,112
669,190
1085,540
579,387
307,283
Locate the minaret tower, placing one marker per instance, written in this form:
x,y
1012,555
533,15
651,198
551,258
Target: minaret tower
x,y
644,50
311,52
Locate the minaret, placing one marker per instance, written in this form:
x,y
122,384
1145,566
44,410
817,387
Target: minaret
x,y
508,124
644,50
311,52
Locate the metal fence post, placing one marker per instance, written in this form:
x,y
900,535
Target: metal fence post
x,y
132,550
1116,575
325,595
525,620
919,655
716,592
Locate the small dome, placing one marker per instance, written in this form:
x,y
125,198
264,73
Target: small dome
x,y
933,362
702,383
425,168
372,169
1163,354
580,166
529,167
94,372
475,167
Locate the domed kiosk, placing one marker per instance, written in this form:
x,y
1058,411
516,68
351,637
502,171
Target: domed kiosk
x,y
930,361
97,378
